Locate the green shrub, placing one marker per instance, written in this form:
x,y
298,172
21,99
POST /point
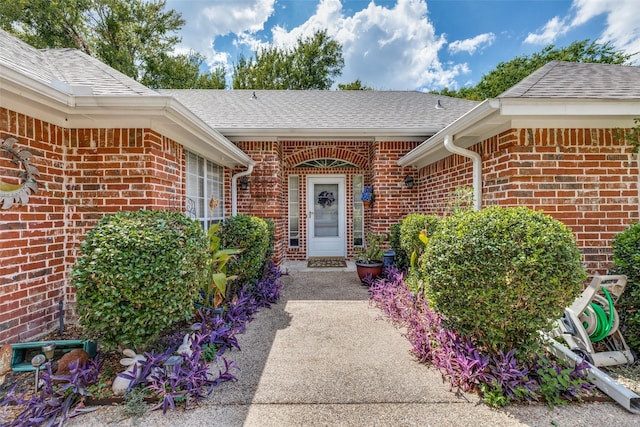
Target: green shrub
x,y
271,230
626,260
253,236
401,259
138,273
500,275
410,229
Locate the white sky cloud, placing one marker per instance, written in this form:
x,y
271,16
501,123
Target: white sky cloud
x,y
236,16
472,45
622,23
551,31
210,19
386,48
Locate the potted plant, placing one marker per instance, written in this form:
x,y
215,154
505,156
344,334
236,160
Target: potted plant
x,y
369,258
367,196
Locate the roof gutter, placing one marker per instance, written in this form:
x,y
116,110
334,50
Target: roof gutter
x,y
70,106
477,113
477,168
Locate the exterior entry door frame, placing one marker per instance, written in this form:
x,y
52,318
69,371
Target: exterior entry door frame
x,y
326,215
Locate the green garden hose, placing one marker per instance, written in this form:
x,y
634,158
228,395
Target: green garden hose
x,y
604,322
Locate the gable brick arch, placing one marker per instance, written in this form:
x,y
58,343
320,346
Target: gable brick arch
x,y
327,152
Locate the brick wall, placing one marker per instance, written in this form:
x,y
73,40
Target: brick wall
x,y
267,188
586,178
33,237
393,200
84,173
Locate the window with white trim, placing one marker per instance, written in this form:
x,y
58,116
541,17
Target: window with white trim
x,y
205,190
358,211
294,211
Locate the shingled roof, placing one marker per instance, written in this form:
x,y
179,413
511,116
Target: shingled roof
x,y
231,111
65,68
578,80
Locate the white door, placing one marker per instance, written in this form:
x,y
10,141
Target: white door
x,y
326,216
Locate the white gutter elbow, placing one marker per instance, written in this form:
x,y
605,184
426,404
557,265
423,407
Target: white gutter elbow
x,y
477,168
234,188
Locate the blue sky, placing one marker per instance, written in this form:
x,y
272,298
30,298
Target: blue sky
x,y
408,44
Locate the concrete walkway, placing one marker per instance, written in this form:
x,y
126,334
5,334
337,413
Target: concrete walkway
x,y
323,356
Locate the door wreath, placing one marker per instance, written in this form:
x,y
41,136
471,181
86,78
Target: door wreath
x,y
326,199
18,193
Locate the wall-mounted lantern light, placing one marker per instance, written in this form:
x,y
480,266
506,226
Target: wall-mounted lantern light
x,y
244,183
408,181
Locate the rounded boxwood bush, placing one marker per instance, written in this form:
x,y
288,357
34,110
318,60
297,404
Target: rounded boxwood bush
x,y
500,275
626,260
254,236
138,273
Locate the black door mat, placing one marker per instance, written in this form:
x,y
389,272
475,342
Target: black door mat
x,y
326,262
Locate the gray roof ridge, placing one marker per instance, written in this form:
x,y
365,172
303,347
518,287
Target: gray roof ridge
x,y
122,79
50,67
526,84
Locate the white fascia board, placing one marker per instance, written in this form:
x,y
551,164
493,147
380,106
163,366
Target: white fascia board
x,y
170,118
188,121
571,122
35,98
16,82
569,107
326,133
433,149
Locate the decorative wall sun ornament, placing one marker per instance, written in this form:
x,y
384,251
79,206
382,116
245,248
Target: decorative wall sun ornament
x,y
11,193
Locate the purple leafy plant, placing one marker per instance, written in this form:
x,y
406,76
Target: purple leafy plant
x,y
56,400
267,290
189,382
192,380
465,366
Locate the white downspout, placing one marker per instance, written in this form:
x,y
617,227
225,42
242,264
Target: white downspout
x,y
234,188
477,168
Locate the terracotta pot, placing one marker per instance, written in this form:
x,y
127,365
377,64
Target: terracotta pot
x,y
374,270
367,204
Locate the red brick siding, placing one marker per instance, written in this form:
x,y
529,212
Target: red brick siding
x,y
267,188
84,173
32,237
586,178
393,200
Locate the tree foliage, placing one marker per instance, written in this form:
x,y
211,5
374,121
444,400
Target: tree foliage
x,y
311,64
136,37
507,74
181,72
354,85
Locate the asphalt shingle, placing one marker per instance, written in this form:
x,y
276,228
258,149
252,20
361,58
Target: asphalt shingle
x,y
77,68
69,66
315,109
579,81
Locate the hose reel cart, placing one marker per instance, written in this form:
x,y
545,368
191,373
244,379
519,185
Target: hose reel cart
x,y
590,326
